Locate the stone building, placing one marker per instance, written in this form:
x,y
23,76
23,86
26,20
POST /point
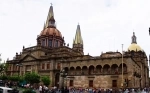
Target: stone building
x,y
51,55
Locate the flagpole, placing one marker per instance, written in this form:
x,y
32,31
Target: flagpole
x,y
122,67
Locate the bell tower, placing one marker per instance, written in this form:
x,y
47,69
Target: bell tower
x,y
133,39
78,42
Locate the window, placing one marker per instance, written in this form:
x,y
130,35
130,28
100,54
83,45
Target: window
x,y
58,66
43,42
56,43
71,83
50,43
16,68
90,83
43,66
48,66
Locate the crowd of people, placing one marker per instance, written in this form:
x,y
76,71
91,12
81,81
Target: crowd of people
x,y
44,89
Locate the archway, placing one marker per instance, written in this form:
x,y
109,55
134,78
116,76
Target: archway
x,y
99,69
84,70
91,69
78,70
106,69
57,80
114,69
72,71
124,68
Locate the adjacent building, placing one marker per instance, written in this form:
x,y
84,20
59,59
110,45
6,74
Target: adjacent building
x,y
51,55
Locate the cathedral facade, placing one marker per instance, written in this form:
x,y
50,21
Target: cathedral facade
x,y
109,70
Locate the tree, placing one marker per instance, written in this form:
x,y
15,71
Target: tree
x,y
45,80
32,78
3,68
14,78
3,77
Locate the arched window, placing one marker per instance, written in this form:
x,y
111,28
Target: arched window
x,y
43,42
56,43
49,43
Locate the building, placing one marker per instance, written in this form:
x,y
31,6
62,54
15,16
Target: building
x,y
51,55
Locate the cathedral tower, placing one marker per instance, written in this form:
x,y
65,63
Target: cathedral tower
x,y
134,46
50,36
78,42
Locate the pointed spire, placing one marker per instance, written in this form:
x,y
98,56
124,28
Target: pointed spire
x,y
78,37
73,41
44,26
133,39
50,16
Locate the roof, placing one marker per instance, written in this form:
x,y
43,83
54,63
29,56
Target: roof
x,y
134,47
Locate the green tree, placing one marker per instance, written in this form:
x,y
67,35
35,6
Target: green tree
x,y
21,78
32,78
28,91
45,80
3,68
14,78
3,77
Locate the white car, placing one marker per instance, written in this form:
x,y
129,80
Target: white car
x,y
5,90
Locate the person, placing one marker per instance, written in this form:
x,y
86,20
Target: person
x,y
62,90
40,88
15,91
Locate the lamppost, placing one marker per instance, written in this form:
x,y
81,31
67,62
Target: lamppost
x,y
19,65
63,75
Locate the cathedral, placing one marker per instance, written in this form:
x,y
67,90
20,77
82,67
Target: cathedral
x,y
51,56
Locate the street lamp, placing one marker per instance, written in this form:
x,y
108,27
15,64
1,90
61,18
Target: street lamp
x,y
63,75
19,65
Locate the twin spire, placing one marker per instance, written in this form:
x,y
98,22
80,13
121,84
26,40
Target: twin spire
x,y
50,21
78,37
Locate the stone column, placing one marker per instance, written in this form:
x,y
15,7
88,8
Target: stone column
x,y
24,68
61,82
52,78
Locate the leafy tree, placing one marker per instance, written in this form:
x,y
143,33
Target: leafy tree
x,y
45,80
21,78
28,91
14,78
3,68
3,77
32,78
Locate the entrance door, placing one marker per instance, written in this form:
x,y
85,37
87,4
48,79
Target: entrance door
x,y
90,83
114,83
71,83
57,80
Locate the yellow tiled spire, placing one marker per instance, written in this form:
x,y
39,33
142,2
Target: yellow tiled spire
x,y
50,15
78,37
44,26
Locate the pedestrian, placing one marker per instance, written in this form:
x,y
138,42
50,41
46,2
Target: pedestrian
x,y
40,88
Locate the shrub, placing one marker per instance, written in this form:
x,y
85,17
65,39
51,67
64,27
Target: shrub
x,y
29,91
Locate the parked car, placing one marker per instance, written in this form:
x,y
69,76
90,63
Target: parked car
x,y
5,90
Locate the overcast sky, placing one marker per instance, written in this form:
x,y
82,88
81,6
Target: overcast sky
x,y
105,24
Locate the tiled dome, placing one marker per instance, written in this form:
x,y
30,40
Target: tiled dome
x,y
51,31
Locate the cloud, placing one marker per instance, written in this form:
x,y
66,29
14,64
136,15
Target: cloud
x,y
105,24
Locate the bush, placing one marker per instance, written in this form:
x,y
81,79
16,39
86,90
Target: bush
x,y
29,91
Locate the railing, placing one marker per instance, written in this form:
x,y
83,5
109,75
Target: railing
x,y
97,73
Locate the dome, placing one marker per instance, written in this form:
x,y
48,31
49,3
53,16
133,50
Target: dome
x,y
51,31
134,47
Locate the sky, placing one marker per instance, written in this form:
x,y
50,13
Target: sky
x,y
105,24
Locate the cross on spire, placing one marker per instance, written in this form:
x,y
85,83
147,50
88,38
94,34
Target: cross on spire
x,y
51,4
